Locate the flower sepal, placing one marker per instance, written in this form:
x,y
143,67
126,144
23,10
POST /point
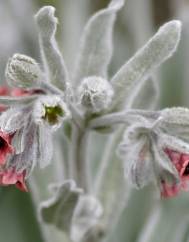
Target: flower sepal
x,y
12,177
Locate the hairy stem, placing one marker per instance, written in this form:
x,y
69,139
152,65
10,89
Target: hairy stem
x,y
110,185
79,167
7,100
125,117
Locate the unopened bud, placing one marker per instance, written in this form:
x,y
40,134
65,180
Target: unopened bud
x,y
95,94
23,71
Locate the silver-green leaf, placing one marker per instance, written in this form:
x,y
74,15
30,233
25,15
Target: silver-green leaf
x,y
59,209
158,49
147,96
52,58
96,43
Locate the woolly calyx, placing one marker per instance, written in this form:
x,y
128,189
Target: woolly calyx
x,y
134,149
95,94
23,71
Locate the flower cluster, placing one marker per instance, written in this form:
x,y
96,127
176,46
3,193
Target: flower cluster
x,y
41,100
154,146
26,126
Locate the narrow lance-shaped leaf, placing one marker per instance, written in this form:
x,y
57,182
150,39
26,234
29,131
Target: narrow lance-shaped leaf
x,y
96,43
177,115
176,122
59,209
51,56
159,48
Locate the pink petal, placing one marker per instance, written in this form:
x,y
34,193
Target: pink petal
x,y
17,92
169,190
21,186
174,156
4,91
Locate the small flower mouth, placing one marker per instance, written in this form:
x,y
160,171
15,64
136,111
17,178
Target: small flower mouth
x,y
180,161
3,144
5,148
52,114
185,169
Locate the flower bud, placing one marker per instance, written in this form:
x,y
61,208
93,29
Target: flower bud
x,y
95,94
50,110
23,71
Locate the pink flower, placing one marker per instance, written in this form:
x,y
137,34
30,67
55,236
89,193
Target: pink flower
x,y
11,177
168,190
5,146
181,163
4,91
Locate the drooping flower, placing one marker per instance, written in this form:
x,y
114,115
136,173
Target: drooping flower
x,y
12,177
152,153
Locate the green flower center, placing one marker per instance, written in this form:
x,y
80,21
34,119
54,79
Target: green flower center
x,y
52,114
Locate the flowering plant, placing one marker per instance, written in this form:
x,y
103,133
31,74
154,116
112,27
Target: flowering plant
x,y
47,103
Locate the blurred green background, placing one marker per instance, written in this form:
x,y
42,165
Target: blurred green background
x,y
138,20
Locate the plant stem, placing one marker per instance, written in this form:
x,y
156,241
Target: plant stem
x,y
51,88
125,117
79,167
111,187
7,100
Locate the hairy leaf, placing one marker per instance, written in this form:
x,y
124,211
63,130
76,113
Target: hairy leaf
x,y
96,43
147,95
158,49
59,210
51,56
